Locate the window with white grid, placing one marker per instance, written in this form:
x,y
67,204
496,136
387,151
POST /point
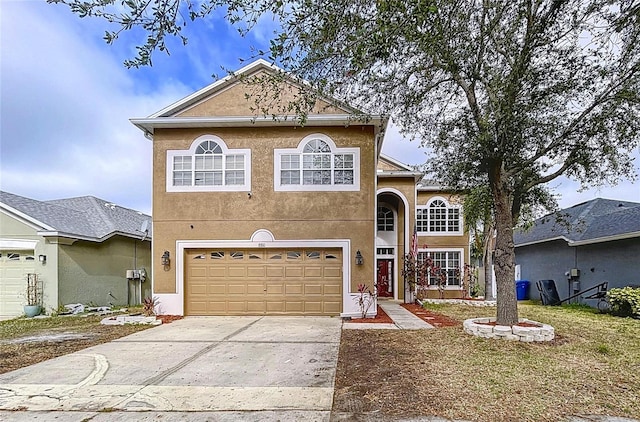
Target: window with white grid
x,y
317,164
208,166
445,263
439,217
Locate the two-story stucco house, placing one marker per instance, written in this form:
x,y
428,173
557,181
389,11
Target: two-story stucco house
x,y
253,215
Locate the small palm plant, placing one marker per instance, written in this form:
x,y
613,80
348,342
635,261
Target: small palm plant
x,y
149,306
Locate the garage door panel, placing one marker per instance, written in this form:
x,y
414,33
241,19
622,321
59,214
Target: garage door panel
x,y
237,271
276,307
198,289
263,281
217,290
312,272
332,290
198,306
332,307
258,306
275,289
313,307
294,289
313,289
276,272
255,289
256,272
294,307
237,289
332,272
216,271
293,272
215,307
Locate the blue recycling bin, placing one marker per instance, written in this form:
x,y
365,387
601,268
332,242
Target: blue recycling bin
x,y
522,289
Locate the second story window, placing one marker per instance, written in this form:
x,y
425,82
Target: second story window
x,y
208,166
439,217
317,164
385,219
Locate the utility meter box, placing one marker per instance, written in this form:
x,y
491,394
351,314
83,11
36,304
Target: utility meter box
x,y
133,274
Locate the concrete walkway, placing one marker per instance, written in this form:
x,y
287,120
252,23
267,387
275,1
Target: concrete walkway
x,y
402,319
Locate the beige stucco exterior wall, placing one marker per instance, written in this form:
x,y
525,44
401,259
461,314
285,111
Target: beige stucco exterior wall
x,y
288,215
13,228
444,241
90,271
232,101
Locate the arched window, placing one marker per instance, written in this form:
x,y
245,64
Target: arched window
x,y
208,166
317,164
439,217
385,219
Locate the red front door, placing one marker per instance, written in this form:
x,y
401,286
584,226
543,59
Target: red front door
x,y
385,278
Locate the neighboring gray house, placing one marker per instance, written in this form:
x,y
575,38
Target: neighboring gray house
x,y
80,248
599,238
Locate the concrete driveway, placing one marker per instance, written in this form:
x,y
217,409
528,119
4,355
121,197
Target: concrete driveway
x,y
281,368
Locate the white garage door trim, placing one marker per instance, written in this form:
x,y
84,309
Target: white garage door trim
x,y
173,304
18,244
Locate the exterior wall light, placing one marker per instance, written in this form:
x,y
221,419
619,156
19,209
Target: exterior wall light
x,y
359,259
165,258
42,259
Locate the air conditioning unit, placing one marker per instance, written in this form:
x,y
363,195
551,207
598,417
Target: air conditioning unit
x,y
133,274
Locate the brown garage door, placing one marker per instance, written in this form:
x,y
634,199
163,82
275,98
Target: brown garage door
x,y
263,281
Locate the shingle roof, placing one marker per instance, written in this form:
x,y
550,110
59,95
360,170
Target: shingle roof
x,y
86,216
596,219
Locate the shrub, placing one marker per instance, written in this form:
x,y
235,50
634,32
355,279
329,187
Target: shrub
x,y
625,302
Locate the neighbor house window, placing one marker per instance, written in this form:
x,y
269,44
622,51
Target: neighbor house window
x,y
439,217
208,166
317,164
447,264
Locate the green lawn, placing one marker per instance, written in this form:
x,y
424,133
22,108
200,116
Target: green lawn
x,y
593,366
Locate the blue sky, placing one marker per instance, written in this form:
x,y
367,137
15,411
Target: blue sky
x,y
66,99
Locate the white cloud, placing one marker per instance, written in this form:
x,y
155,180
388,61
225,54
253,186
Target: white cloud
x,y
66,101
410,152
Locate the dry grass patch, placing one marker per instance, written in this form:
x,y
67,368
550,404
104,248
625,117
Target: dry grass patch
x,y
26,341
593,367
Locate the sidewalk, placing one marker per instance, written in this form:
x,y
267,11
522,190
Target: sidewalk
x,y
402,319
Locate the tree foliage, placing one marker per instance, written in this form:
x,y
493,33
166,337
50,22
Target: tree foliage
x,y
508,94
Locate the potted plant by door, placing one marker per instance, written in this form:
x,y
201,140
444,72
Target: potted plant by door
x,y
32,308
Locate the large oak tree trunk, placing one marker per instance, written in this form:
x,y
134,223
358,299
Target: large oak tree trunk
x,y
504,256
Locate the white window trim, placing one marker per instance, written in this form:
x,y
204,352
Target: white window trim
x,y
277,153
460,251
460,230
218,188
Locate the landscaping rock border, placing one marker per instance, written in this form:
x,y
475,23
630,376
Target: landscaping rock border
x,y
479,327
479,303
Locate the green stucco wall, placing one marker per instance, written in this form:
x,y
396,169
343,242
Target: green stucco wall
x,y
95,272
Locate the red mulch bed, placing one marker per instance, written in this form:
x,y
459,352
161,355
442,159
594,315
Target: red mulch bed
x,y
381,318
166,319
430,317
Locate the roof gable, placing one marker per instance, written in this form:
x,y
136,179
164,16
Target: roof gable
x,y
84,217
235,95
386,163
